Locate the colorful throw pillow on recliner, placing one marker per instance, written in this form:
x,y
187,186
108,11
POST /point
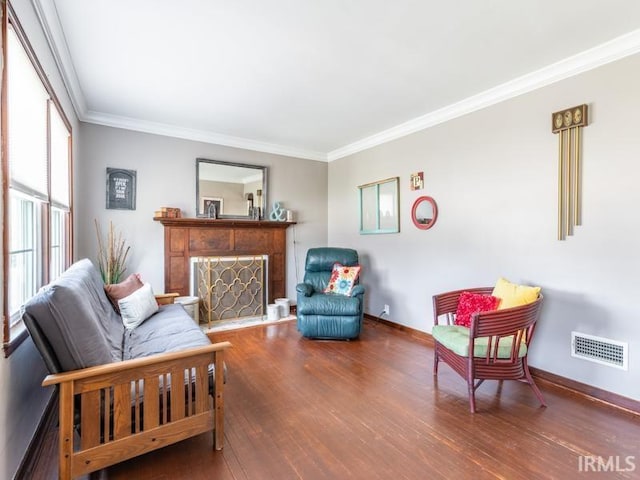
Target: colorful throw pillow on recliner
x,y
470,303
342,279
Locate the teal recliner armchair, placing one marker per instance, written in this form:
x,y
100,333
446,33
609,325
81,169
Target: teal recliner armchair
x,y
328,315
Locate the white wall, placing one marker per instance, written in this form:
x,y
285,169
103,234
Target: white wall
x,y
22,399
493,174
166,178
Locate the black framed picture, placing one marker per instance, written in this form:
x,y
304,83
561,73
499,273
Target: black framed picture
x,y
121,189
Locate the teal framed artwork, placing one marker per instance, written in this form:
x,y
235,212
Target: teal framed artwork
x,y
379,207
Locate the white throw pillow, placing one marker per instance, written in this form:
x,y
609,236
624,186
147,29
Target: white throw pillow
x,y
138,306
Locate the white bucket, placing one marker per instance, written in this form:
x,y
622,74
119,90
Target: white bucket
x,y
273,312
285,306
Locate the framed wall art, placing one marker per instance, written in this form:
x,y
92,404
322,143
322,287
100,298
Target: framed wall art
x,y
379,207
121,189
209,202
417,181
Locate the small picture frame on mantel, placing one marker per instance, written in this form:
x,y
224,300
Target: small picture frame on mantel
x,y
209,204
121,189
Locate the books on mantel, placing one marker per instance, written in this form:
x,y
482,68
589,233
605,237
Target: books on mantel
x,y
167,212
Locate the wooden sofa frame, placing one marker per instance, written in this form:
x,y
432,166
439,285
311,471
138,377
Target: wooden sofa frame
x,y
122,409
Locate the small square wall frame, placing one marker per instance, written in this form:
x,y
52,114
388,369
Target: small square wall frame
x,y
379,207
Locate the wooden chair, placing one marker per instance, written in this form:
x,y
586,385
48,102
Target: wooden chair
x,y
494,348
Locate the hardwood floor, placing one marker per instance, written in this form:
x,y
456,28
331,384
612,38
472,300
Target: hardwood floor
x,y
371,409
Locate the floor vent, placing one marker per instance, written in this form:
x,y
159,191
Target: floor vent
x,y
599,350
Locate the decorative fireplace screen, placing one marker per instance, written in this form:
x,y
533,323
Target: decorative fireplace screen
x,y
230,287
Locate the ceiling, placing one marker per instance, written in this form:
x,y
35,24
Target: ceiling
x,y
319,79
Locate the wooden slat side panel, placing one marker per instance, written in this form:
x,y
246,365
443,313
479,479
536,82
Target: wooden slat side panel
x,y
151,402
65,440
114,395
218,399
202,389
122,410
90,419
177,395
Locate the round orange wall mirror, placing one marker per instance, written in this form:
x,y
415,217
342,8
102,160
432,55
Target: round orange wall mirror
x,y
424,212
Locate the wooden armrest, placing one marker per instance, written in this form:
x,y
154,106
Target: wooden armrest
x,y
117,367
166,298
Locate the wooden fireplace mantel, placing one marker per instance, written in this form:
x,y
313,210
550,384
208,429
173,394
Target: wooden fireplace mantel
x,y
185,238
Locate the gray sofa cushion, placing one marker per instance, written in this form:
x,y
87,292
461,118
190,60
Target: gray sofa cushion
x,y
170,329
77,320
74,325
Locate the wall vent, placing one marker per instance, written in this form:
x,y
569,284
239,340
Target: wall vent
x,y
600,350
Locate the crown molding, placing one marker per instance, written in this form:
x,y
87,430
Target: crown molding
x,y
608,52
50,22
167,130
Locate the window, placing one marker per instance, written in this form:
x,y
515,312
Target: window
x,y
36,160
379,207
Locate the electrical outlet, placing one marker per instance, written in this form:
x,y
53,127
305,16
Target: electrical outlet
x,y
386,309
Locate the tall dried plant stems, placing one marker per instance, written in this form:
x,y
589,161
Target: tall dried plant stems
x,y
112,257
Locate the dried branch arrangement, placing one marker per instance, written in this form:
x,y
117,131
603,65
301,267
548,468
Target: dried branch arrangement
x,y
112,255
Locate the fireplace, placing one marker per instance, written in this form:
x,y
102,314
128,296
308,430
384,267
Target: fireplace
x,y
230,287
188,238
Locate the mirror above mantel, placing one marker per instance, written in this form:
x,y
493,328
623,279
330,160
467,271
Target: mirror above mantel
x,y
230,190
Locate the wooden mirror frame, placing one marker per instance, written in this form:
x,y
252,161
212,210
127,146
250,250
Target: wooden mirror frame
x,y
414,210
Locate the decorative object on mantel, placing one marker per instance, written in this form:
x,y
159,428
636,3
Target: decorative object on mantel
x,y
121,189
424,212
417,181
257,211
291,215
379,207
112,255
278,213
212,207
167,212
568,124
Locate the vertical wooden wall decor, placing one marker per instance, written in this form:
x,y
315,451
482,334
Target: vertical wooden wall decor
x,y
568,125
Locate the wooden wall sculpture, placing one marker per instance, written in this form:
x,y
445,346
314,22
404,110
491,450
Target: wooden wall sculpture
x,y
568,125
